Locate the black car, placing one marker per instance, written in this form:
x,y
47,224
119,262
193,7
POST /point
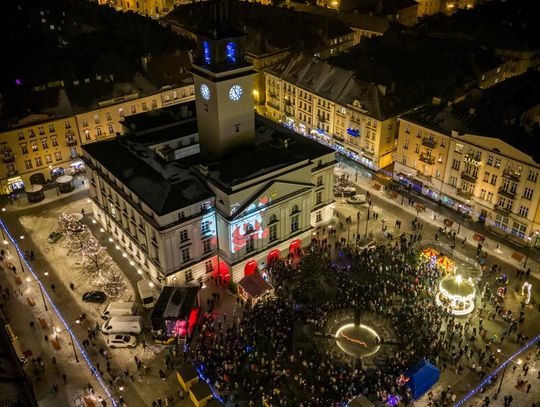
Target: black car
x,y
94,296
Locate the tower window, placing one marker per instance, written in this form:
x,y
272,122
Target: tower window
x,y
206,50
231,52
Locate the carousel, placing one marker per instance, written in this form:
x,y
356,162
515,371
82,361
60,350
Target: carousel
x,y
456,294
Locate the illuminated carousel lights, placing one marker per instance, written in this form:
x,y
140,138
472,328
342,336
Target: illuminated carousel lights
x,y
454,299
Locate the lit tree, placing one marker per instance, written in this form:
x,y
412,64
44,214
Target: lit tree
x,y
113,283
75,232
95,258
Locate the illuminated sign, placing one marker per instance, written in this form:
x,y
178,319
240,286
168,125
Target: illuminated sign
x,y
353,132
469,159
249,226
208,226
206,50
231,52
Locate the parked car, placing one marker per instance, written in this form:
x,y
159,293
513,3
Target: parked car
x,y
121,341
123,325
94,296
344,192
119,309
54,237
357,199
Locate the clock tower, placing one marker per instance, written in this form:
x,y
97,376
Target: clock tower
x,y
223,87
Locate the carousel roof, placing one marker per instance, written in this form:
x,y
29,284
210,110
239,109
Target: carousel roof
x,y
457,286
430,252
445,262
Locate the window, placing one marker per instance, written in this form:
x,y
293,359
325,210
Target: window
x,y
34,146
28,164
21,135
319,180
51,128
184,236
87,135
144,107
205,226
96,119
54,141
489,160
443,142
493,179
207,246
48,158
453,181
111,128
24,148
532,176
272,235
189,276
41,130
528,193
417,148
318,216
437,173
44,143
185,255
404,160
38,162
133,109
68,124
98,131
497,162
523,211
501,222
121,112
250,243
483,194
85,123
459,148
489,196
209,265
456,164
519,229
58,156
294,223
486,176
319,198
154,104
31,133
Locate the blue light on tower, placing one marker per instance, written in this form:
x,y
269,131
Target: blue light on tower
x,y
206,50
231,52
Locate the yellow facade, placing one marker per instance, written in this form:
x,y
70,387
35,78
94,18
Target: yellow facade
x,y
151,8
348,129
40,144
482,177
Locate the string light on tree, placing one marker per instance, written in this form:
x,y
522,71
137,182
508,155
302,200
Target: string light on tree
x,y
526,291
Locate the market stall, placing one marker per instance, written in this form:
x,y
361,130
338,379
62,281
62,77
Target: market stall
x,y
253,287
34,193
65,183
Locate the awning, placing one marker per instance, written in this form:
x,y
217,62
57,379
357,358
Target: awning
x,y
254,286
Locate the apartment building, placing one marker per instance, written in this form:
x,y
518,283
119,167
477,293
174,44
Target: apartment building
x,y
38,140
149,8
476,156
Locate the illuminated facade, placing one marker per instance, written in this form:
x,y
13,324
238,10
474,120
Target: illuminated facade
x,y
487,173
328,104
217,193
150,8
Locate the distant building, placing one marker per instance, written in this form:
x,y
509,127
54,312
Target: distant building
x,y
220,193
478,156
269,38
42,130
352,103
149,8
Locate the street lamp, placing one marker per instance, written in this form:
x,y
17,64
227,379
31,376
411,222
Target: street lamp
x,y
58,330
535,235
29,280
502,376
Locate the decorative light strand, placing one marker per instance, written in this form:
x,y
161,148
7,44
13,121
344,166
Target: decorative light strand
x,y
496,371
59,314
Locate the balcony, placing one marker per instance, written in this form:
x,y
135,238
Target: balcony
x,y
464,194
428,159
512,175
424,177
429,142
71,142
501,209
469,177
507,194
8,159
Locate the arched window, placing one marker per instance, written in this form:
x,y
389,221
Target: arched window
x,y
295,209
250,228
273,219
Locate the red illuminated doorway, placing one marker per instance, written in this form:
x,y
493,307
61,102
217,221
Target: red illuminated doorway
x,y
295,246
221,271
273,256
250,268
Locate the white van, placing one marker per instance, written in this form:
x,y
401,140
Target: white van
x,y
119,309
147,293
123,325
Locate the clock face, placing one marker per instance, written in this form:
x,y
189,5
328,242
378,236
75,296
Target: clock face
x,y
235,93
205,91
